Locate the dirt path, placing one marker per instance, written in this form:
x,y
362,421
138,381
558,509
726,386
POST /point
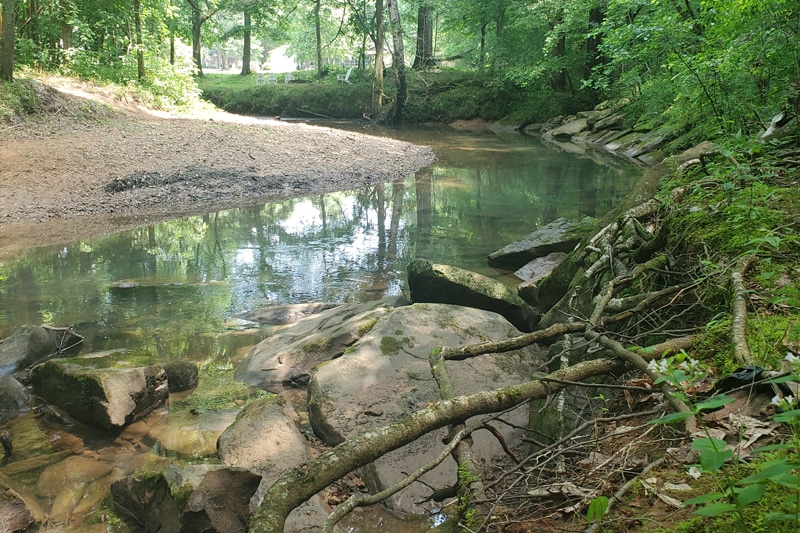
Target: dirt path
x,y
92,164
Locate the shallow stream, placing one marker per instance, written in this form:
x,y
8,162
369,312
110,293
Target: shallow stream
x,y
174,289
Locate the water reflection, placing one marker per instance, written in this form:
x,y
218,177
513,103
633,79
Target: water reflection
x,y
187,277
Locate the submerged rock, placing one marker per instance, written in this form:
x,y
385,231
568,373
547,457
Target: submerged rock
x,y
102,390
286,314
221,502
147,502
560,235
386,376
181,375
433,283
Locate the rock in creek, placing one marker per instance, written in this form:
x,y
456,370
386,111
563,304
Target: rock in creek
x,y
15,515
386,375
432,283
286,314
266,439
101,390
560,235
13,395
288,358
30,344
181,375
533,272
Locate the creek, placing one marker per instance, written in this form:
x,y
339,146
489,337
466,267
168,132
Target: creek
x,y
174,289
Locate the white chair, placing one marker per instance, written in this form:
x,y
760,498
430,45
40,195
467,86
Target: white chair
x,y
260,79
272,78
344,78
288,78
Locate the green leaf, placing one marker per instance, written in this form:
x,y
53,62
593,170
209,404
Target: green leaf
x,y
670,418
788,416
715,509
715,402
712,460
708,443
597,509
704,498
782,379
786,480
769,470
750,494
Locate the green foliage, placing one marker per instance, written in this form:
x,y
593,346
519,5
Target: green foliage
x,y
17,100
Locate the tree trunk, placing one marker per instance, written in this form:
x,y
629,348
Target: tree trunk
x,y
246,50
196,50
377,85
398,63
137,25
7,31
424,54
318,30
593,56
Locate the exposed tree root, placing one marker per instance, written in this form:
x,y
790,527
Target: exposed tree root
x,y
741,351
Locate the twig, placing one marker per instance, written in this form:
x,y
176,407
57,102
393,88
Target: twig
x,y
623,490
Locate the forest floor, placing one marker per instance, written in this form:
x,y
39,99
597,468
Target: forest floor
x,y
91,162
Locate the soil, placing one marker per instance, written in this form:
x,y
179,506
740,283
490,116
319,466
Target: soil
x,y
91,162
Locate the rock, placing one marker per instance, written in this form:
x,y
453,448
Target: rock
x,y
30,344
593,116
266,439
70,472
145,500
13,395
221,503
288,357
385,376
560,235
15,515
611,122
192,435
433,283
568,130
181,375
286,314
100,391
533,272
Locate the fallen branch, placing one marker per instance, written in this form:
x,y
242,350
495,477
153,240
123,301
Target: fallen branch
x,y
300,483
741,351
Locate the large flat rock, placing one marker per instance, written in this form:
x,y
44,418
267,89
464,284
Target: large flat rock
x,y
386,376
289,356
560,235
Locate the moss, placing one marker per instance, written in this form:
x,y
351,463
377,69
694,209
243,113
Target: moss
x,y
318,345
390,345
366,327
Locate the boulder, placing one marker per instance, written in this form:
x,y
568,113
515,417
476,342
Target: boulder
x,y
221,502
101,390
146,501
286,314
72,471
266,439
181,375
386,376
611,122
433,283
568,130
13,395
560,235
533,272
30,345
596,114
192,434
289,356
15,515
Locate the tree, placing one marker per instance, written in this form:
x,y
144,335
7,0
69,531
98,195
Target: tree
x,y
318,34
199,16
398,63
246,45
377,87
7,38
137,17
424,53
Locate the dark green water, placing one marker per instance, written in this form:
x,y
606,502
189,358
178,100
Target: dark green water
x,y
174,289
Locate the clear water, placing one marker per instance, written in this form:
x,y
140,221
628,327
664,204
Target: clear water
x,y
175,288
